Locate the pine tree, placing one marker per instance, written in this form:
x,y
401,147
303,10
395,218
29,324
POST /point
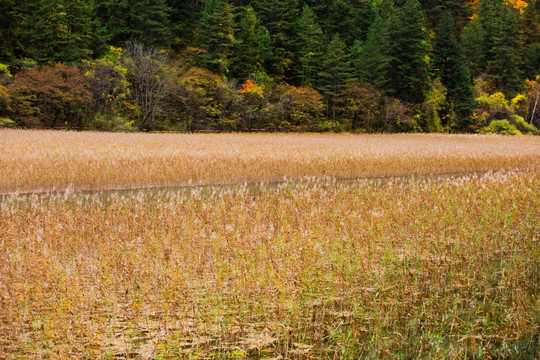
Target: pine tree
x,y
183,17
408,51
435,9
144,21
252,48
504,65
216,36
57,31
308,46
531,39
370,61
472,40
336,72
450,66
279,17
351,19
9,38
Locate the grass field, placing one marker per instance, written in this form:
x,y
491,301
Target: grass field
x,y
45,160
431,267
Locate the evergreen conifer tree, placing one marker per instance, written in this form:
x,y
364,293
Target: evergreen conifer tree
x,y
144,21
9,37
384,8
252,48
75,42
57,30
504,62
408,51
151,23
279,17
450,66
531,39
308,46
472,40
38,30
183,17
351,19
216,36
459,9
99,36
370,61
335,73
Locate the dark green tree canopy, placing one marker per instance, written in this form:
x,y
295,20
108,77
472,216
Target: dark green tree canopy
x,y
408,53
370,60
309,46
424,58
215,36
335,72
449,65
252,50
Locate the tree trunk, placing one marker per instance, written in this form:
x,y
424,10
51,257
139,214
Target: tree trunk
x,y
535,104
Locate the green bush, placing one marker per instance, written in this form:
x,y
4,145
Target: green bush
x,y
522,125
492,108
6,123
5,75
115,123
489,108
399,117
501,127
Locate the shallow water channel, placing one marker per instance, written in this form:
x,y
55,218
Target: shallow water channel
x,y
148,193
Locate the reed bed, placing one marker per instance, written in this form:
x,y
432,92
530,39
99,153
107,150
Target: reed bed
x,y
51,160
399,269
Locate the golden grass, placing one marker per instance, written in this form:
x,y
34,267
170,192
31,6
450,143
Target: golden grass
x,y
435,268
307,267
45,160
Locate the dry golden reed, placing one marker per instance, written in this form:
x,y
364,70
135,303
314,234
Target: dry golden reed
x,y
426,268
298,262
49,160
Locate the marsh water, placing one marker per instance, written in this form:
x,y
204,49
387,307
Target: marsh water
x,y
184,191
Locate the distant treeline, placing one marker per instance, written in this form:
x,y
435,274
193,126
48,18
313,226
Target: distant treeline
x,y
272,65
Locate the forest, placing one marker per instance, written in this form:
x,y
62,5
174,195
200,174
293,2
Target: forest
x,y
271,65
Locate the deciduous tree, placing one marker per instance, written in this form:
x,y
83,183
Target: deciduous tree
x,y
296,108
107,80
363,110
149,77
50,96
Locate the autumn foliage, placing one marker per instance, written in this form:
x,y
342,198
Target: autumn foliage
x,y
50,96
296,108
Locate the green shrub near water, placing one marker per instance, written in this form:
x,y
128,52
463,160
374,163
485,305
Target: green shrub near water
x,y
522,125
116,123
501,127
6,123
